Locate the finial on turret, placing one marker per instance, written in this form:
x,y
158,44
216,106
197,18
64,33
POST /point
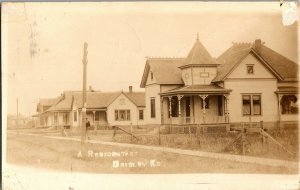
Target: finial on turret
x,y
197,36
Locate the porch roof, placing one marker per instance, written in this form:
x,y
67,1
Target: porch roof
x,y
287,90
198,89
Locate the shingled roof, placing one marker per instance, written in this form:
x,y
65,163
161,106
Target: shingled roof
x,y
198,56
165,70
96,99
99,100
138,98
46,102
230,58
64,103
283,68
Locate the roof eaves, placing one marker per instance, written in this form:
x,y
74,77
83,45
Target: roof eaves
x,y
233,68
278,76
199,65
128,98
119,93
145,75
196,92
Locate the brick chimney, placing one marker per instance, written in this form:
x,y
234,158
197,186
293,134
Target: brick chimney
x,y
130,89
257,46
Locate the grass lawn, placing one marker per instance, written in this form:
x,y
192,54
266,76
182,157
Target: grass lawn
x,y
71,156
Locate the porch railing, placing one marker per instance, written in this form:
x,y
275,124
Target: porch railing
x,y
212,119
199,120
100,125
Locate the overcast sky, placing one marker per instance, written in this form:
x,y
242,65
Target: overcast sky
x,y
42,43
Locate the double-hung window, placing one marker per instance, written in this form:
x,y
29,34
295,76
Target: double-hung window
x,y
251,104
141,114
152,107
122,115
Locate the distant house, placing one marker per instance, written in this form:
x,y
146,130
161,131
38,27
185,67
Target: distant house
x,y
103,109
249,82
20,121
41,119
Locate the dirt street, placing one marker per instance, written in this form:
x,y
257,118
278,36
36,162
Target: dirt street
x,y
71,156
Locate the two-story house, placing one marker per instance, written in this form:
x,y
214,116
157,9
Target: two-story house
x,y
249,82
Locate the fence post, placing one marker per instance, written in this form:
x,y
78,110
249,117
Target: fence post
x,y
190,131
158,134
262,134
131,131
199,135
243,141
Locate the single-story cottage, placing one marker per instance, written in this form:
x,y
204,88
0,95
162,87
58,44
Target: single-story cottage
x,y
103,109
249,82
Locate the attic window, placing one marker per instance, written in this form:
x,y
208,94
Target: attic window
x,y
151,75
250,69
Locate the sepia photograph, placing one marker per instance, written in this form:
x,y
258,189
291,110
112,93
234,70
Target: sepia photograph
x,y
150,95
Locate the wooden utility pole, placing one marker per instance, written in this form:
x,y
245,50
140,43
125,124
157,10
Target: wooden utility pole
x,y
84,61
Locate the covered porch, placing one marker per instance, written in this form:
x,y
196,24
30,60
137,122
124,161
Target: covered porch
x,y
61,119
97,118
197,104
288,104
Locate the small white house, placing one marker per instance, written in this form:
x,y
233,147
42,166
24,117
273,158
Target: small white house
x,y
249,82
103,109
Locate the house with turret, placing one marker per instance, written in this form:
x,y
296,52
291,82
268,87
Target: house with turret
x,y
249,83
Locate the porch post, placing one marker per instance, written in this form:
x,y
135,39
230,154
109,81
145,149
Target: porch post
x,y
179,108
106,118
226,108
162,109
203,97
193,99
94,120
279,109
170,107
58,123
55,123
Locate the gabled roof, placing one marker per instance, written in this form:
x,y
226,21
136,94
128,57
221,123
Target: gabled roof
x,y
138,98
282,65
198,56
283,68
64,103
95,100
230,58
46,102
165,70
